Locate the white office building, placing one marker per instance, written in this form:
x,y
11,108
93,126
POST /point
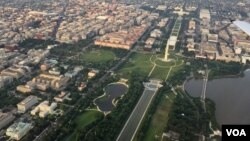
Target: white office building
x,y
26,104
44,109
18,130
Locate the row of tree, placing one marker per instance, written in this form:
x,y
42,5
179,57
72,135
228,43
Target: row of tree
x,y
184,119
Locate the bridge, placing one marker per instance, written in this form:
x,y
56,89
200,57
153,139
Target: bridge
x,y
204,88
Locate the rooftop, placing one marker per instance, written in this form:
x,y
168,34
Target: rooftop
x,y
18,127
28,99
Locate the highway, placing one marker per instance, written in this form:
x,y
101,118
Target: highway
x,y
131,126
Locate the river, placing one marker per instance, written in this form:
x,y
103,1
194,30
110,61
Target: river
x,y
231,96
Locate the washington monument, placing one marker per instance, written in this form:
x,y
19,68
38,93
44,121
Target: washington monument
x,y
166,53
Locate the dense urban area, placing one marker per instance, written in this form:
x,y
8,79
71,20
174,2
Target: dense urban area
x,y
106,70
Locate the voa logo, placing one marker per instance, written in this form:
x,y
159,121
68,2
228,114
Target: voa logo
x,y
236,132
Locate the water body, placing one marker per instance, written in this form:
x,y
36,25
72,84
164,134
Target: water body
x,y
112,91
231,96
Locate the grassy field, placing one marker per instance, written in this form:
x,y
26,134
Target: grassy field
x,y
98,56
160,73
143,64
138,63
162,69
164,64
179,65
87,118
83,120
161,116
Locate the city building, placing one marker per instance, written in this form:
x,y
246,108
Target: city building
x,y
44,109
149,44
123,39
5,80
245,58
172,42
190,44
5,119
191,26
227,54
163,22
27,103
237,50
161,7
24,88
92,73
205,14
181,12
243,44
45,81
210,49
62,96
82,86
156,33
18,130
48,64
212,38
54,71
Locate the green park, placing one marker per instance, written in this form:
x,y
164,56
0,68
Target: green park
x,y
151,65
161,115
83,120
98,56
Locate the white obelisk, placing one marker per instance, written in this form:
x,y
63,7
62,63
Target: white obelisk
x,y
166,53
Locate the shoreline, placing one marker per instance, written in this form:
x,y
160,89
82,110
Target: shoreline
x,y
241,73
214,78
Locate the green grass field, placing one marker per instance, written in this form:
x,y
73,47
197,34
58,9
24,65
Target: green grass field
x,y
164,64
98,56
137,63
82,121
160,73
162,68
143,64
161,116
86,118
179,65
